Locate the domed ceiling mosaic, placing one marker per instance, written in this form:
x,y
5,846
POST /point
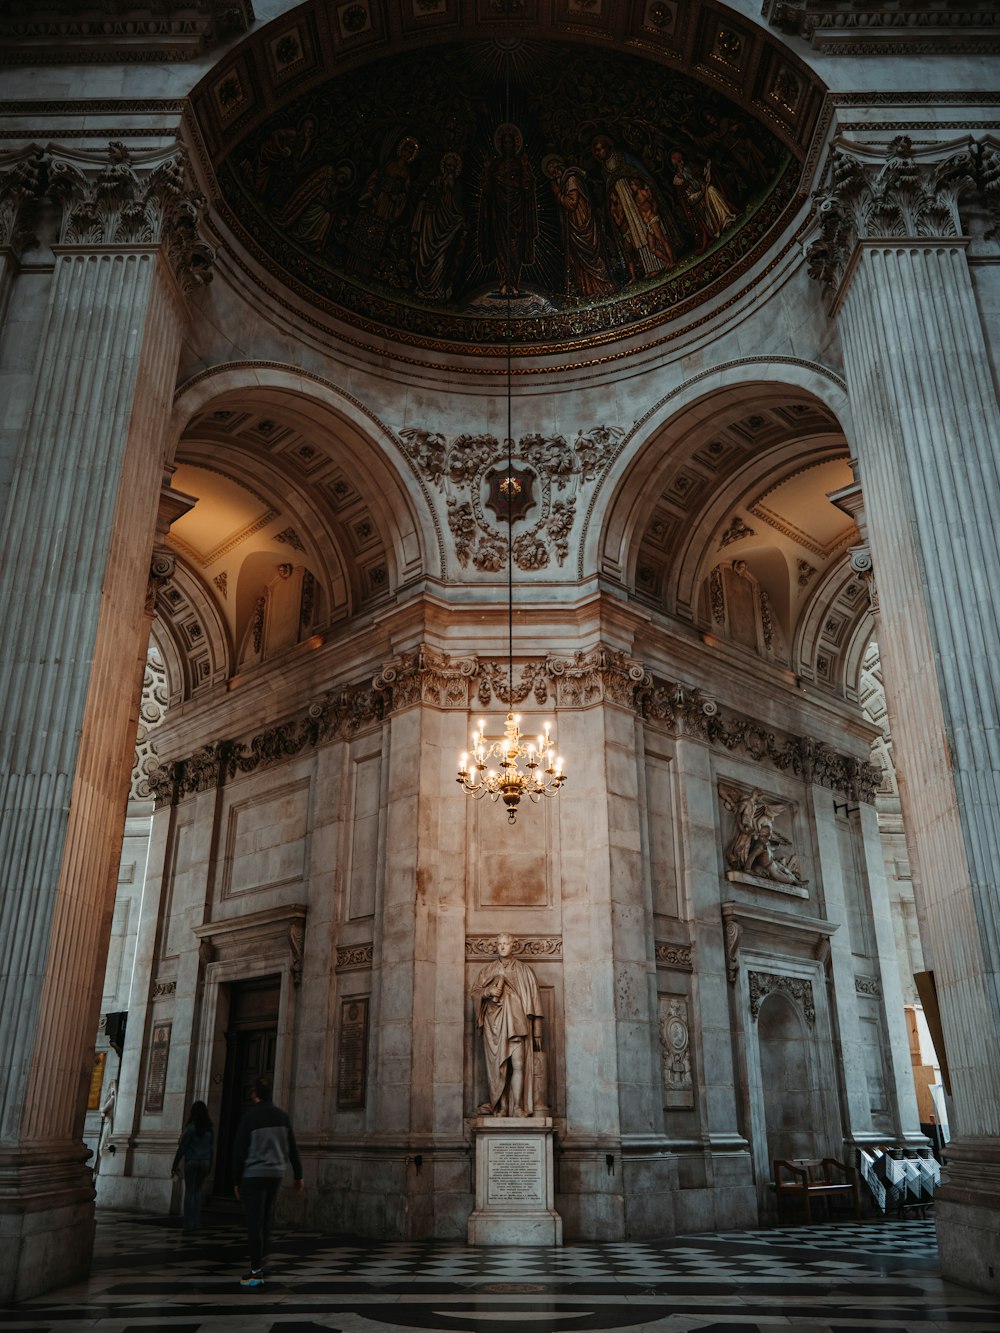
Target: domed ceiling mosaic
x,y
581,191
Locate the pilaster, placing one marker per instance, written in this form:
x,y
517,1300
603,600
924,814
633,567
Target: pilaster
x,y
78,531
927,428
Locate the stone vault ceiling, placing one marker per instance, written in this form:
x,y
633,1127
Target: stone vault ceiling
x,y
430,184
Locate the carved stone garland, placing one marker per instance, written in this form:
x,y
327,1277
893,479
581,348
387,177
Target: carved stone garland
x,y
524,946
461,469
426,676
693,713
798,989
152,708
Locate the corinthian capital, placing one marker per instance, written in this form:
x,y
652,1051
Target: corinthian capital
x,y
22,186
125,198
893,192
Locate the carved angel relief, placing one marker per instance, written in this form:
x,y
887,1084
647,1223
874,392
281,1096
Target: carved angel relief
x,y
548,471
756,850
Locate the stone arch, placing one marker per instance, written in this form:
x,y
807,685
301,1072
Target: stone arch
x,y
833,634
311,403
615,510
739,475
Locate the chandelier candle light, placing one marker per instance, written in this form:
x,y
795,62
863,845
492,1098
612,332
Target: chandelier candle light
x,y
542,773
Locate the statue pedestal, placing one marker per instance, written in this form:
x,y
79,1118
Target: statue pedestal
x,y
514,1183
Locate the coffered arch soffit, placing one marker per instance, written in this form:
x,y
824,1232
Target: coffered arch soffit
x,y
723,521
192,634
300,523
313,432
425,170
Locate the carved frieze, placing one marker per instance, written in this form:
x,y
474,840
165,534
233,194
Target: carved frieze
x,y
493,682
798,989
162,989
692,712
354,957
677,957
340,714
867,986
898,192
526,946
541,490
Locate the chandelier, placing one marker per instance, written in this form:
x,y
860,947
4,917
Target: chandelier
x,y
521,768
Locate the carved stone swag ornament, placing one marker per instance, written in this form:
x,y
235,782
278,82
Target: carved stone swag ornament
x,y
464,469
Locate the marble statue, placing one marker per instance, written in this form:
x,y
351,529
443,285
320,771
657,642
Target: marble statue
x,y
509,1015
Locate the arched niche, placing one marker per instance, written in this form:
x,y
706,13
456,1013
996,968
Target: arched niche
x,y
787,1079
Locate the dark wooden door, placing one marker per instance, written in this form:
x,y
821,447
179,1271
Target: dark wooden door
x,y
251,1040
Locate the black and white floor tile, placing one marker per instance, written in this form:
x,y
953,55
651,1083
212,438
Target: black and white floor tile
x,y
874,1277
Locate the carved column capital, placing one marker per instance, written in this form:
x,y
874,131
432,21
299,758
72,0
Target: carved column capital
x,y
161,571
22,187
603,674
893,192
426,676
120,198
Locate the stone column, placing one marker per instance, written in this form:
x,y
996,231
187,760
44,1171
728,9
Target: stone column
x,y
927,433
78,533
419,1000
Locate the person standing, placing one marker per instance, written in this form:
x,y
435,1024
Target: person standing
x,y
264,1146
195,1152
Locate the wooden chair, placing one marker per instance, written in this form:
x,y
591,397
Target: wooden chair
x,y
809,1178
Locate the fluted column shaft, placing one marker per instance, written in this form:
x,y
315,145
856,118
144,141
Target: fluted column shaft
x,y
926,420
927,436
78,534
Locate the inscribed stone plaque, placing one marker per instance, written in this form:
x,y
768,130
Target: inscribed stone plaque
x,y
159,1050
352,1063
514,1171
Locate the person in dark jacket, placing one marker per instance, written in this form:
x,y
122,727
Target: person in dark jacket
x,y
264,1146
195,1152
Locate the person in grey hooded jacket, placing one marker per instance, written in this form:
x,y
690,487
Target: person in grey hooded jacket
x,y
264,1147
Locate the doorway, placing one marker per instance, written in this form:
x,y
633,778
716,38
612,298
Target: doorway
x,y
251,1041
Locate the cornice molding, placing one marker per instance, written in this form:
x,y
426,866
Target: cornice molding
x,y
909,27
117,33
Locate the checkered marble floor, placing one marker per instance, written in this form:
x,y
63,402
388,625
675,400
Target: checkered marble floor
x,y
873,1277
